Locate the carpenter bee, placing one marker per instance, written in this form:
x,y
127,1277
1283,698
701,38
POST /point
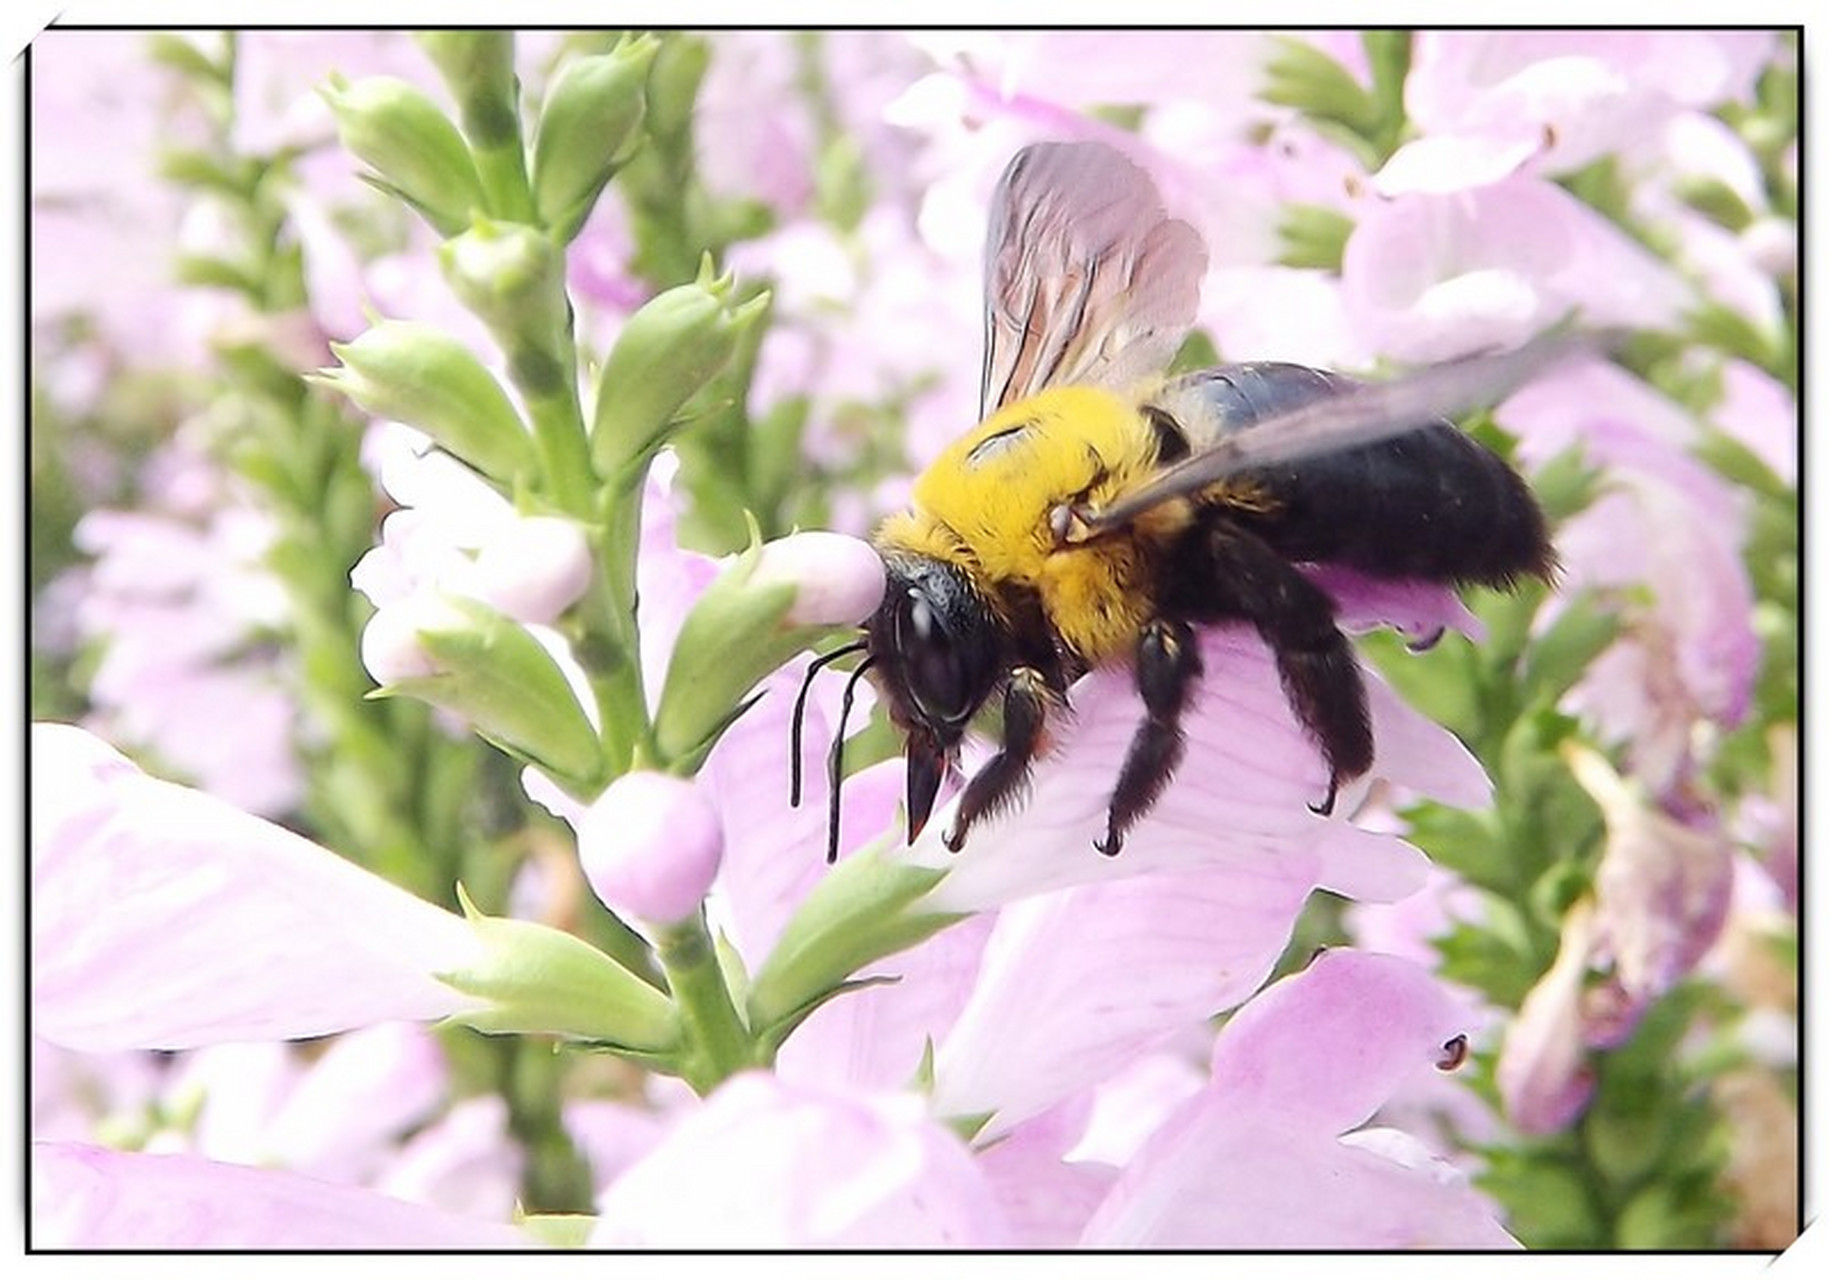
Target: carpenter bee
x,y
1102,512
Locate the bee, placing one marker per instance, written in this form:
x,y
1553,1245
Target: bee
x,y
1101,512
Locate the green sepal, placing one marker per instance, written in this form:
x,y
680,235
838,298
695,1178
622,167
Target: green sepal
x,y
589,126
731,640
493,673
420,375
868,907
543,981
413,149
666,353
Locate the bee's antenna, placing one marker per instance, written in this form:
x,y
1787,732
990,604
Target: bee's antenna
x,y
835,763
800,709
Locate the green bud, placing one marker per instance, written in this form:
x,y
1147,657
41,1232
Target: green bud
x,y
868,907
416,153
478,68
771,602
513,278
673,89
588,128
420,375
488,669
543,981
667,352
729,641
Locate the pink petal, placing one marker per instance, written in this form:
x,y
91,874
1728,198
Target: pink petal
x,y
1047,1199
876,1038
766,1164
92,1198
1761,413
465,1162
1431,277
650,845
1255,1160
1077,983
1231,1182
164,918
1324,1047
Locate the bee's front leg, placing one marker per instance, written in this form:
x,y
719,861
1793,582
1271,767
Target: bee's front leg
x,y
1004,775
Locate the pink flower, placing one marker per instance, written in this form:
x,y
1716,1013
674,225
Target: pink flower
x,y
1662,892
1665,523
177,593
91,1198
1492,104
1430,277
1270,1153
767,1164
164,918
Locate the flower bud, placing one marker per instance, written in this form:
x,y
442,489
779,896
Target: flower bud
x,y
535,569
650,846
419,375
668,351
513,278
541,980
837,580
416,153
767,605
589,126
488,669
391,649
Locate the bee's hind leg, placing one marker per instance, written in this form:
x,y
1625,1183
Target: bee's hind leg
x,y
1241,577
1168,664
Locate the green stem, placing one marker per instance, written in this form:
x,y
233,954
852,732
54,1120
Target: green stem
x,y
558,430
503,170
720,1042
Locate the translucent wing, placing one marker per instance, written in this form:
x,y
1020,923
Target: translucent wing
x,y
1086,278
1367,413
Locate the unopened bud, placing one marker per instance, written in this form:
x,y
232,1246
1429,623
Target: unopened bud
x,y
666,353
768,604
651,845
415,151
589,126
467,658
420,375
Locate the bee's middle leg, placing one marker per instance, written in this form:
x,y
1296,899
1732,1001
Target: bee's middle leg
x,y
1168,665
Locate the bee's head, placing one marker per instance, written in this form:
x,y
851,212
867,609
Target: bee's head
x,y
937,654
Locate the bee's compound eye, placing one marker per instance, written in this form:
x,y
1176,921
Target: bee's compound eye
x,y
936,677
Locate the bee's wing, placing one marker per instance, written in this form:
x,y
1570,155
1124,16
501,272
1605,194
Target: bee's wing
x,y
1086,278
1367,413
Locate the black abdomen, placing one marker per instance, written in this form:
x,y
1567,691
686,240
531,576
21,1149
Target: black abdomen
x,y
1432,503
